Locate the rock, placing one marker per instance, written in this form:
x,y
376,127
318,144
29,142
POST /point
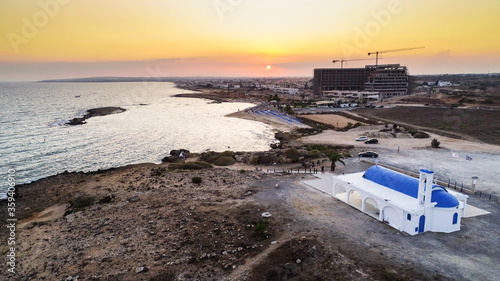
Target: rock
x,y
176,152
298,261
141,269
101,111
70,218
274,242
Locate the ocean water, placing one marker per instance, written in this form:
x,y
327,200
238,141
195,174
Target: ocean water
x,y
36,143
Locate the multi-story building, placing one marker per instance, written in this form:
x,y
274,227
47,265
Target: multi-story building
x,y
340,79
387,80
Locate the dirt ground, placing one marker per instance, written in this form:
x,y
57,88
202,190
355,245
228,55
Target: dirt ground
x,y
482,125
333,119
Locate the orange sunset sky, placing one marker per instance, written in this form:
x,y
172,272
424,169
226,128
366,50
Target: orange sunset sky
x,y
49,39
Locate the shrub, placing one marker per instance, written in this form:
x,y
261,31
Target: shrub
x,y
171,159
292,153
242,171
313,154
227,153
209,157
107,199
421,135
82,202
196,165
267,160
435,143
224,161
282,136
158,172
255,160
196,180
261,227
317,147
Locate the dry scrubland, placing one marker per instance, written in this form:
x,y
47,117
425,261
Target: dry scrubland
x,y
144,222
483,125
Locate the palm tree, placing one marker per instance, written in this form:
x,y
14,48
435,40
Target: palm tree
x,y
334,156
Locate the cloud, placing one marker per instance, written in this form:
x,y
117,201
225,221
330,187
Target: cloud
x,y
443,54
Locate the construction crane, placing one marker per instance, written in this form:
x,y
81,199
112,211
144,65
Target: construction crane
x,y
343,60
390,51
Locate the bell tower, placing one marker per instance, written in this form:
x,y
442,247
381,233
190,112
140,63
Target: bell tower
x,y
425,187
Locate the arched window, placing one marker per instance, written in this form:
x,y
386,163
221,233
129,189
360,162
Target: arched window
x,y
455,218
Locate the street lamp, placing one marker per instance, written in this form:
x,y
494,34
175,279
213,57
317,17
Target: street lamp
x,y
474,180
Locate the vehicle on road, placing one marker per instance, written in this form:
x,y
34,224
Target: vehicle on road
x,y
362,138
371,141
368,154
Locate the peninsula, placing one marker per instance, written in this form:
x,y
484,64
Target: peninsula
x,y
101,111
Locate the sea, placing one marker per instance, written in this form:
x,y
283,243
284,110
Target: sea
x,y
36,142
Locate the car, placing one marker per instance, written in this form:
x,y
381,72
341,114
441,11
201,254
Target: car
x,y
362,138
371,141
368,154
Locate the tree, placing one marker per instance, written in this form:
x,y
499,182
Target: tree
x,y
334,157
435,143
289,110
276,98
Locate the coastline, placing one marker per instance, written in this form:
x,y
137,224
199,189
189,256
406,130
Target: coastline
x,y
217,96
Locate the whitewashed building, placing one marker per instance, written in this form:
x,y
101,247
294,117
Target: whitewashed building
x,y
408,204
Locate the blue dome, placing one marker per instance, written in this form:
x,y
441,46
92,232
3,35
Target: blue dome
x,y
393,180
408,185
443,199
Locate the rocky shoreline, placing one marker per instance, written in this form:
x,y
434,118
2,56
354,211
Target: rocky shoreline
x,y
101,111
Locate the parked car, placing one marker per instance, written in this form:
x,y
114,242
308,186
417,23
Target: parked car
x,y
362,138
368,154
371,141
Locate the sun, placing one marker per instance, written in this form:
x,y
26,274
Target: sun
x,y
268,67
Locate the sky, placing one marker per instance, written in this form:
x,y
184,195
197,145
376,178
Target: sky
x,y
52,39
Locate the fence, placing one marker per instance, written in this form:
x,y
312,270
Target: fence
x,y
293,171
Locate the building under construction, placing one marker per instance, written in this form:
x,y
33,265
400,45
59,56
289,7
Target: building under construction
x,y
387,80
